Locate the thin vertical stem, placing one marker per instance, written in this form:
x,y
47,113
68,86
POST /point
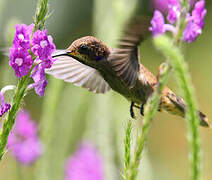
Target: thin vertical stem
x,y
192,119
127,149
150,109
9,122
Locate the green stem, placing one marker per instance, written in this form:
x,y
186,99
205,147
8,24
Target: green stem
x,y
150,109
10,120
22,84
41,14
127,149
192,119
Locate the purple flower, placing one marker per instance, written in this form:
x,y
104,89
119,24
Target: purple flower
x,y
43,47
27,151
195,22
161,5
22,35
199,13
23,141
25,127
157,23
40,81
174,11
191,32
20,61
85,164
4,106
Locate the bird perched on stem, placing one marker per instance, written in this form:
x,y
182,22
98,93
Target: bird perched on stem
x,y
89,63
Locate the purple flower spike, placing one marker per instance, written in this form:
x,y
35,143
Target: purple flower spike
x,y
85,164
4,106
174,11
43,45
23,141
195,22
22,35
20,60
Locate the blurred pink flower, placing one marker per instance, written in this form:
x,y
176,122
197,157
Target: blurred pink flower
x,y
23,142
85,164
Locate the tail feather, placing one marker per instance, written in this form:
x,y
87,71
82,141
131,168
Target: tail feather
x,y
176,105
203,120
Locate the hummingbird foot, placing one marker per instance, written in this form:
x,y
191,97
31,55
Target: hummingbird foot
x,y
132,113
142,109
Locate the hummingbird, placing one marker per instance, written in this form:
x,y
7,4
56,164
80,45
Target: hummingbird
x,y
90,63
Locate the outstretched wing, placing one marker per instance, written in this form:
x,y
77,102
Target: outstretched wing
x,y
70,70
5,51
125,59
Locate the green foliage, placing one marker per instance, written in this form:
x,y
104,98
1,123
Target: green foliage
x,y
41,14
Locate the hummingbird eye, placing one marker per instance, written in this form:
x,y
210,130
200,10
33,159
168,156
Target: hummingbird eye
x,y
83,49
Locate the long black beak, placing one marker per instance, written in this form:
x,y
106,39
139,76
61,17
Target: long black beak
x,y
60,53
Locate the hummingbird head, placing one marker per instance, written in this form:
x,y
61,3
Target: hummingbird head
x,y
88,50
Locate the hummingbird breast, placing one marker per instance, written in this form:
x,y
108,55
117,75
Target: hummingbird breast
x,y
137,94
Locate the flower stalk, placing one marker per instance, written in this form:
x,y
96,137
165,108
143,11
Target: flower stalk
x,y
192,119
10,120
127,149
23,81
150,109
186,29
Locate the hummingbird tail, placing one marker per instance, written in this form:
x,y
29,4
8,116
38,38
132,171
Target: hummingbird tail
x,y
203,120
176,105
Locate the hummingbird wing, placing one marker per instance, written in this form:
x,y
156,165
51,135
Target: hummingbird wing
x,y
5,51
125,59
71,70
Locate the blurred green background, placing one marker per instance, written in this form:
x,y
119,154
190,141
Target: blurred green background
x,y
74,115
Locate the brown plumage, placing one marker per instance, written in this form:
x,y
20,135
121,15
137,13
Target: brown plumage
x,y
89,63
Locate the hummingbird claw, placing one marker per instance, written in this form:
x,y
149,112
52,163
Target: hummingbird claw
x,y
132,114
142,110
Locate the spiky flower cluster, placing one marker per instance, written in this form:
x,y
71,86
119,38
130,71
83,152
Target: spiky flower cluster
x,y
195,20
27,53
30,55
